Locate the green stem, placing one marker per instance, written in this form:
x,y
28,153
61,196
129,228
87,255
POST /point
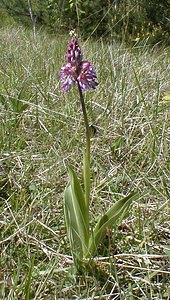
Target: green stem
x,y
86,161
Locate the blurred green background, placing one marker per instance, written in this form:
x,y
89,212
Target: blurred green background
x,y
127,21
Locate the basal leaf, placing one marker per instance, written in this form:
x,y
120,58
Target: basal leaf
x,y
76,216
109,219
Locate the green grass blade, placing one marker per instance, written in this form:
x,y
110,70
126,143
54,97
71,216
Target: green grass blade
x,y
28,282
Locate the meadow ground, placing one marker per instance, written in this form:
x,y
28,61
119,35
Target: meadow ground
x,y
41,131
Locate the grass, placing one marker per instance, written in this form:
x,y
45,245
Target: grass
x,y
41,131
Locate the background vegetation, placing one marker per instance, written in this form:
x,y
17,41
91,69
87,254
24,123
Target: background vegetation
x,y
41,131
127,21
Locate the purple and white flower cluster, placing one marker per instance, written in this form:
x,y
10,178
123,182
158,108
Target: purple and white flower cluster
x,y
76,70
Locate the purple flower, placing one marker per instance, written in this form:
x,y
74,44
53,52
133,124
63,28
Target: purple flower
x,y
76,70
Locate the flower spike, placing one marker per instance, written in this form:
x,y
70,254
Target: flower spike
x,y
77,70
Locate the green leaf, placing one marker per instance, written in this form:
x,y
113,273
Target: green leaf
x,y
71,3
109,219
76,216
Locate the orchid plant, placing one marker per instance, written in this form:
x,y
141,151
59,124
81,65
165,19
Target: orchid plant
x,y
83,240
